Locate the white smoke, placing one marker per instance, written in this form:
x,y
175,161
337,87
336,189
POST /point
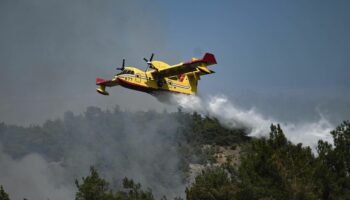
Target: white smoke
x,y
140,146
257,124
32,177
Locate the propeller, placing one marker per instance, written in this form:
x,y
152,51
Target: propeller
x,y
123,66
149,62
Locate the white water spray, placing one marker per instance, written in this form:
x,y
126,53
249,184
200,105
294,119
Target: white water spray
x,y
233,116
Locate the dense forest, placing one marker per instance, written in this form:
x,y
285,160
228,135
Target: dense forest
x,y
148,155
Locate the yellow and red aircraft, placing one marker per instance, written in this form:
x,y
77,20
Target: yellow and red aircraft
x,y
160,77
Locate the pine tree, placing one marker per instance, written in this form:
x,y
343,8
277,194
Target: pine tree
x,y
332,173
216,183
93,187
277,169
3,194
96,188
132,191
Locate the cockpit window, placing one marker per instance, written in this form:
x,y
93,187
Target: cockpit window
x,y
126,72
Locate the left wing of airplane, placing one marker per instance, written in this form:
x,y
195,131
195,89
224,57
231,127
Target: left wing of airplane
x,y
197,65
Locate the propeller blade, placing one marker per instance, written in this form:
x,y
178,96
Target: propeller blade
x,y
123,66
149,62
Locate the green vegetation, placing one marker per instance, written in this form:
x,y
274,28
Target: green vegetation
x,y
198,130
93,187
96,188
195,131
213,183
274,168
333,170
3,194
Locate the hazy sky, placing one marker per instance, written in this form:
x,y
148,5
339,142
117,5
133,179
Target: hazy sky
x,y
286,58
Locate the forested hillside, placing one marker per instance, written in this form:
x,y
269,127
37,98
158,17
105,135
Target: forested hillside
x,y
274,168
115,150
152,148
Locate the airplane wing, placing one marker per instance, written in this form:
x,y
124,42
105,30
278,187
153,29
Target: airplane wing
x,y
199,66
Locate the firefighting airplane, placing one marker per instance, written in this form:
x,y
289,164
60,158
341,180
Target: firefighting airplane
x,y
160,77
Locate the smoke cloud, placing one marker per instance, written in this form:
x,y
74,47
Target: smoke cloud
x,y
140,145
52,51
32,177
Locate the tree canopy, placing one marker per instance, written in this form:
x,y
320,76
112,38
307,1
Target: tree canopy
x,y
275,168
3,194
93,187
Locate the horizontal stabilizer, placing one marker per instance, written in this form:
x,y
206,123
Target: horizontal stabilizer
x,y
108,83
205,70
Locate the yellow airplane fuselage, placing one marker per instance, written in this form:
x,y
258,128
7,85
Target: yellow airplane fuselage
x,y
134,78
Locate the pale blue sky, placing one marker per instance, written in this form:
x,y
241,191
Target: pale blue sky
x,y
266,44
287,58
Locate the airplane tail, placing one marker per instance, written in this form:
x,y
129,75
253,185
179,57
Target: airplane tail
x,y
102,83
209,59
202,69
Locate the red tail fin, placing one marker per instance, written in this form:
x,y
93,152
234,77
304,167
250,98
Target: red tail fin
x,y
209,58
